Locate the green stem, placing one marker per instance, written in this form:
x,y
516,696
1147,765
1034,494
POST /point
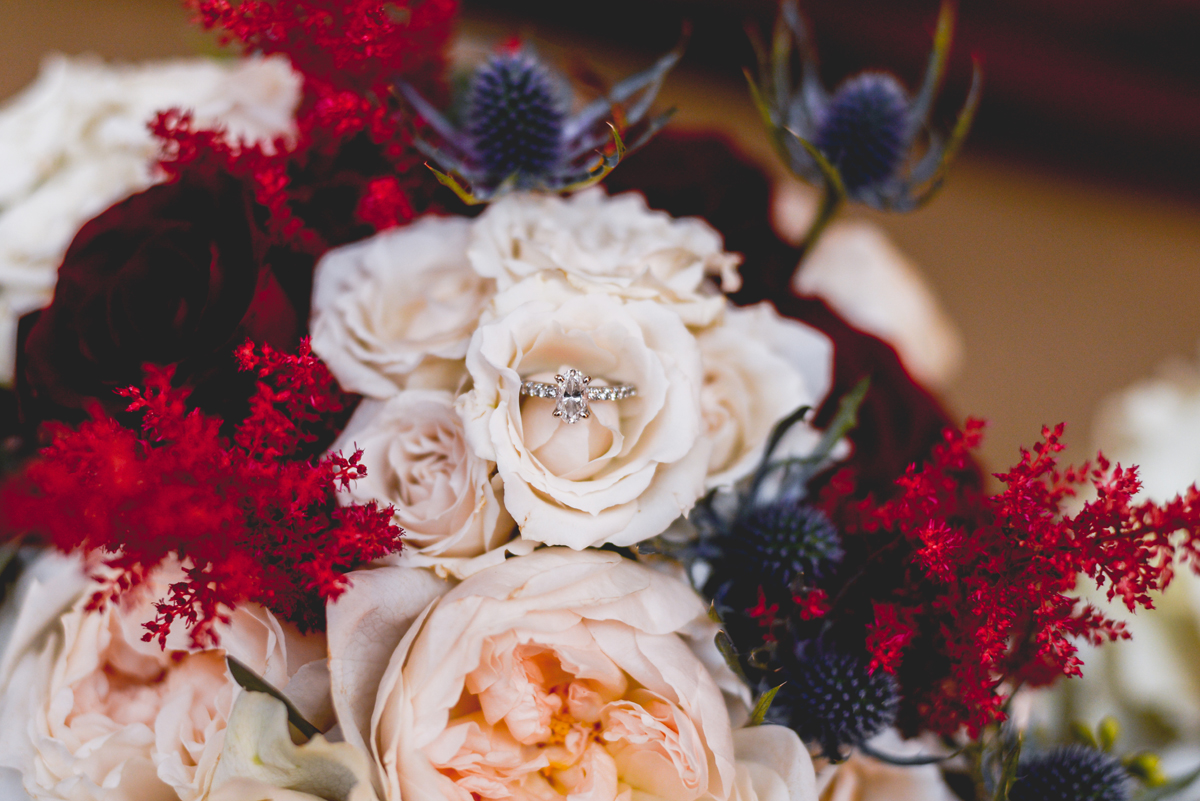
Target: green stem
x,y
831,204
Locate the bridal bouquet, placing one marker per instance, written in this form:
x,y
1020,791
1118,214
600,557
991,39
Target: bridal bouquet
x,y
321,483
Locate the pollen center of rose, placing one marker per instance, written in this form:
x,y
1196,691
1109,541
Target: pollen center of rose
x,y
526,727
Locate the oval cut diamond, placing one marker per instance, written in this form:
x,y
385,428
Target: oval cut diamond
x,y
572,403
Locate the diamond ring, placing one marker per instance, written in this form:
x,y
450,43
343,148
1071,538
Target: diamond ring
x,y
571,394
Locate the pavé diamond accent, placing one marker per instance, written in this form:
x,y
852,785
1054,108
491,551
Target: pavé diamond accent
x,y
571,393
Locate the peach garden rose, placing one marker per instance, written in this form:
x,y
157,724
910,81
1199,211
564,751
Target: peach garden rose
x,y
561,674
447,499
90,711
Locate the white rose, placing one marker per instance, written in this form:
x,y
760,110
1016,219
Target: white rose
x,y
554,675
758,368
445,497
601,243
1155,424
624,473
261,763
877,289
76,141
89,711
397,310
861,778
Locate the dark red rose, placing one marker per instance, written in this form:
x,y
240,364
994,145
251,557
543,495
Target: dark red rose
x,y
178,274
702,174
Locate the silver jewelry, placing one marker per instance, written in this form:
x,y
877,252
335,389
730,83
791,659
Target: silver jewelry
x,y
571,394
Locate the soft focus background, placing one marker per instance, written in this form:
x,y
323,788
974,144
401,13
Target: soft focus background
x,y
1066,245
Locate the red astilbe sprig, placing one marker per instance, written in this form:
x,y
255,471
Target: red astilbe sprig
x,y
350,168
987,597
252,520
356,43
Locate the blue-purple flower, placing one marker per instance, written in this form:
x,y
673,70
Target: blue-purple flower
x,y
516,130
869,139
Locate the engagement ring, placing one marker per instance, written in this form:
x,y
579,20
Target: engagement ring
x,y
571,394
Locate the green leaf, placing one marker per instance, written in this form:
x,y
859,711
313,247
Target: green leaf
x,y
1083,735
448,180
782,428
1145,768
249,680
846,418
1107,732
608,162
1170,788
776,132
763,705
8,552
1008,771
725,646
843,422
958,136
832,198
936,70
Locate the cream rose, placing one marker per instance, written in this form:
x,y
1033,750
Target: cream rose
x,y
758,368
878,289
608,244
554,675
621,475
446,498
76,141
92,712
861,778
397,310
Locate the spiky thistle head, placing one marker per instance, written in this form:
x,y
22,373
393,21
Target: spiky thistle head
x,y
831,698
1071,773
515,113
784,541
864,131
517,131
863,141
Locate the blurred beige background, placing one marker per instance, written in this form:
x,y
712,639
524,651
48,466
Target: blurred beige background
x,y
1065,287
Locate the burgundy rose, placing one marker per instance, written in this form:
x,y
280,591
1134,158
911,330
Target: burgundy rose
x,y
177,274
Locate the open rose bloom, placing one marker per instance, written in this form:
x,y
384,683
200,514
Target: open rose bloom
x,y
536,286
560,674
90,711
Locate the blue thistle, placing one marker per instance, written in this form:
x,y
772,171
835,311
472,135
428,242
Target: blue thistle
x,y
863,130
517,131
515,116
785,541
861,141
830,698
1071,773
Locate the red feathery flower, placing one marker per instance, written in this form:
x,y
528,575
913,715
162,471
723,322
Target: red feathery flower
x,y
255,519
985,599
350,170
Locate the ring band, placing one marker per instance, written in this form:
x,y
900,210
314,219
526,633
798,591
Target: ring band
x,y
571,394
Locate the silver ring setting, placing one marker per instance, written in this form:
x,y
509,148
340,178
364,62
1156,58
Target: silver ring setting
x,y
571,394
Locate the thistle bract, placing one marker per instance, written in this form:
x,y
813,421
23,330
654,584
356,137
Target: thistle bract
x,y
869,140
831,698
517,131
515,116
784,541
1071,773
